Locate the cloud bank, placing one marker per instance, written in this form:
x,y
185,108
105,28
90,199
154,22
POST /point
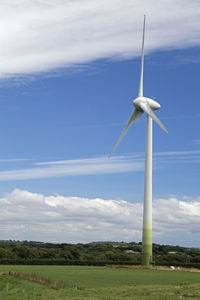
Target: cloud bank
x,y
30,216
42,36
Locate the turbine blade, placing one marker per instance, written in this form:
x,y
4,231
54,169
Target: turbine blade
x,y
145,107
134,116
140,93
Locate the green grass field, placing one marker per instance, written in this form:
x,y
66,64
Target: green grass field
x,y
100,283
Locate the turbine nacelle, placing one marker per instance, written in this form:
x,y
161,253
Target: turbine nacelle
x,y
147,101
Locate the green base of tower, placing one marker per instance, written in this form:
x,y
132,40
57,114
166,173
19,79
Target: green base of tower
x,y
147,244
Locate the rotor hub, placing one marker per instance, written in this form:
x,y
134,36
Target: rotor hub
x,y
152,103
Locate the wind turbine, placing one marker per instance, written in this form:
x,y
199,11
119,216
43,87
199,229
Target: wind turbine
x,y
147,105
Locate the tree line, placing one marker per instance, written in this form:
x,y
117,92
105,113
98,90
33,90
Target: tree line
x,y
96,253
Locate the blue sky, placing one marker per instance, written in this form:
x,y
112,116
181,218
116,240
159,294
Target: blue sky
x,y
80,114
61,116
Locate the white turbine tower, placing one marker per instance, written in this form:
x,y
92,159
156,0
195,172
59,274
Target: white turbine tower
x,y
147,105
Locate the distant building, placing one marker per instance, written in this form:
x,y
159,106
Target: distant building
x,y
131,251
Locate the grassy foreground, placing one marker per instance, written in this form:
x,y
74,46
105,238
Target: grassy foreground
x,y
100,283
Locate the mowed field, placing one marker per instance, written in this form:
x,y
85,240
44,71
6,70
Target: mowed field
x,y
77,282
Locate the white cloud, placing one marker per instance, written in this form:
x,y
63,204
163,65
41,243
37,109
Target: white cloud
x,y
86,166
177,157
44,35
97,165
31,216
178,153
